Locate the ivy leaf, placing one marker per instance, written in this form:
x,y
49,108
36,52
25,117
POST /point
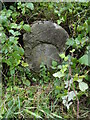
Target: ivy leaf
x,y
13,25
3,19
84,60
58,74
30,6
54,63
70,42
27,27
83,86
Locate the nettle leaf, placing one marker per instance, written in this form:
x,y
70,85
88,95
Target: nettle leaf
x,y
83,86
58,74
27,27
84,60
30,6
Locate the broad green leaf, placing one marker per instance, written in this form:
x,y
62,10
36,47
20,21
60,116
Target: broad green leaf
x,y
13,25
30,6
1,28
11,31
62,55
8,13
14,33
2,37
26,82
84,60
70,42
3,19
24,64
83,86
20,51
80,28
15,55
12,72
27,27
66,58
59,22
58,74
54,63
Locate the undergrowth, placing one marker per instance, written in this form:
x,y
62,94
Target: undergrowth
x,y
60,94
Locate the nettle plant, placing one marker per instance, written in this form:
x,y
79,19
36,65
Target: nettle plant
x,y
11,26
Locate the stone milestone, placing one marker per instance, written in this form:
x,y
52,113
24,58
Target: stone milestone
x,y
44,43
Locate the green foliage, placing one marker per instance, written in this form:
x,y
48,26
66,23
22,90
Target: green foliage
x,y
85,60
43,94
44,74
26,27
83,86
64,74
69,71
11,50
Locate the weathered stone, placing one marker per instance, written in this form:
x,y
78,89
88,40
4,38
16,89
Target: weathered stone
x,y
0,5
44,43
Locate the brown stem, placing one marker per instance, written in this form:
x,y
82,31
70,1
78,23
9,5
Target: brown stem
x,y
70,74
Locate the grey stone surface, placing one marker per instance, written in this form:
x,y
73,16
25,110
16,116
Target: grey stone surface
x,y
0,6
44,43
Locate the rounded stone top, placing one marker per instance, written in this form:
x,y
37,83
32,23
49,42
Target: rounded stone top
x,y
43,44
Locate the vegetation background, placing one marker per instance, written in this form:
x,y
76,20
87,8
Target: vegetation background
x,y
60,94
